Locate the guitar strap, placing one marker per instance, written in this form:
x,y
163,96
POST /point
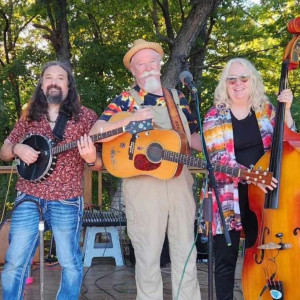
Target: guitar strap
x,y
173,109
59,128
136,97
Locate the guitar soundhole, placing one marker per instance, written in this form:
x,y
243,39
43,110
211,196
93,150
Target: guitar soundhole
x,y
155,152
142,163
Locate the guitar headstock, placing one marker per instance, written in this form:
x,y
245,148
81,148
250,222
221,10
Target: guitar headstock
x,y
257,176
139,126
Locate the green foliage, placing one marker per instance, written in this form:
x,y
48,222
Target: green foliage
x,y
256,32
7,191
100,38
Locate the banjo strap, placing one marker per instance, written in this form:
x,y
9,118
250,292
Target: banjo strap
x,y
59,128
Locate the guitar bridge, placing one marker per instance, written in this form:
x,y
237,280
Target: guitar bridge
x,y
131,147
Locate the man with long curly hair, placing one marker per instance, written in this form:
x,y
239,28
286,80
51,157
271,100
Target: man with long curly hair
x,y
60,193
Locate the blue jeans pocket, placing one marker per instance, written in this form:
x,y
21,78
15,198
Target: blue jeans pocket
x,y
20,196
76,202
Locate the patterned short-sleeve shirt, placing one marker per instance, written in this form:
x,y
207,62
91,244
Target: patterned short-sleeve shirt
x,y
66,181
125,102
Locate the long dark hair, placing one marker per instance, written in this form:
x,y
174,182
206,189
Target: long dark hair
x,y
38,105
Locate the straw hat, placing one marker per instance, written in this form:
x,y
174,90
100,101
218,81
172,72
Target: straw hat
x,y
139,45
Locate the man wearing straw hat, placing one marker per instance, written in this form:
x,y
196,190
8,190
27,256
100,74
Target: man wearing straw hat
x,y
155,206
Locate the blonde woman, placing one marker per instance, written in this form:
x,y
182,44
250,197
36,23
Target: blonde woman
x,y
238,130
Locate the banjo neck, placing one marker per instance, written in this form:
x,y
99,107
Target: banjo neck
x,y
94,137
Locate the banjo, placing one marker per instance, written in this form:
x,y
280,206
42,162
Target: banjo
x,y
46,161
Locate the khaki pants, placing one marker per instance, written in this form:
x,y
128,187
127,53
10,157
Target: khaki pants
x,y
154,207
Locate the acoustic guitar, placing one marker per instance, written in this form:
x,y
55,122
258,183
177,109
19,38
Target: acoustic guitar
x,y
158,153
45,164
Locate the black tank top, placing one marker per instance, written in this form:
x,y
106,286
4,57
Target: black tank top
x,y
248,144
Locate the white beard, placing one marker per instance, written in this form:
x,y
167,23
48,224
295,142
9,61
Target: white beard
x,y
152,84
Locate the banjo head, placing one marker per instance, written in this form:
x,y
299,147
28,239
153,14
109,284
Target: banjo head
x,y
39,169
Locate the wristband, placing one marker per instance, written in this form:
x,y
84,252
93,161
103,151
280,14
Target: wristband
x,y
92,164
13,149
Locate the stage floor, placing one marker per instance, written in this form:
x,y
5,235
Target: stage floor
x,y
104,281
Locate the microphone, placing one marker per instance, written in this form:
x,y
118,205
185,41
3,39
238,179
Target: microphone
x,y
187,79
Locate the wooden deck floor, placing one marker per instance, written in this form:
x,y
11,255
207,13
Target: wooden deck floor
x,y
104,281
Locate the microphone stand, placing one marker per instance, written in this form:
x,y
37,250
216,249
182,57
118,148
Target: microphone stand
x,y
208,217
208,203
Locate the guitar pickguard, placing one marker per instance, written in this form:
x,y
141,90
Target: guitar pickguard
x,y
143,164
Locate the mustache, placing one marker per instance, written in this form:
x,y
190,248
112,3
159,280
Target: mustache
x,y
53,86
149,73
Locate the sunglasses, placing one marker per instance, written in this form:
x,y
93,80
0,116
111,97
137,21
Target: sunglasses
x,y
233,79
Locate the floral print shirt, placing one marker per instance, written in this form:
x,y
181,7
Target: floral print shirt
x,y
66,181
125,102
218,135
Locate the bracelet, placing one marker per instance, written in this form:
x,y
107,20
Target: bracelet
x,y
92,164
13,149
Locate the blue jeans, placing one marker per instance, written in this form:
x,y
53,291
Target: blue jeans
x,y
64,218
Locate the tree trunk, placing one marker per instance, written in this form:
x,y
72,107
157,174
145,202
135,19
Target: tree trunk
x,y
185,39
16,91
63,52
58,30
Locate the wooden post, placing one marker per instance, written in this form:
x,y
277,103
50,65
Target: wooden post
x,y
87,185
100,186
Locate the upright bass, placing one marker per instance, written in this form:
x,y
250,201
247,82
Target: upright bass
x,y
271,268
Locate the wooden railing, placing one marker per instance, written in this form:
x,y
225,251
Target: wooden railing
x,y
87,182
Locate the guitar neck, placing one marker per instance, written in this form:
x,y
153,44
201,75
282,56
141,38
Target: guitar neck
x,y
95,138
196,162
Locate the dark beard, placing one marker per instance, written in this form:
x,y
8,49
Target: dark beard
x,y
55,99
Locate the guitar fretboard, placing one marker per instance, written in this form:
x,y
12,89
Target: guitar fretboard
x,y
196,162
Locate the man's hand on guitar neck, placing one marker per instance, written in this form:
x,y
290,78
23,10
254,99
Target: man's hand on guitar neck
x,y
88,152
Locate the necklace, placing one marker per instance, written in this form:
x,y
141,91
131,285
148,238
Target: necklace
x,y
50,121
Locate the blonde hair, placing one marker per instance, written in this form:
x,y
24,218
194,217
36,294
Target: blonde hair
x,y
257,97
